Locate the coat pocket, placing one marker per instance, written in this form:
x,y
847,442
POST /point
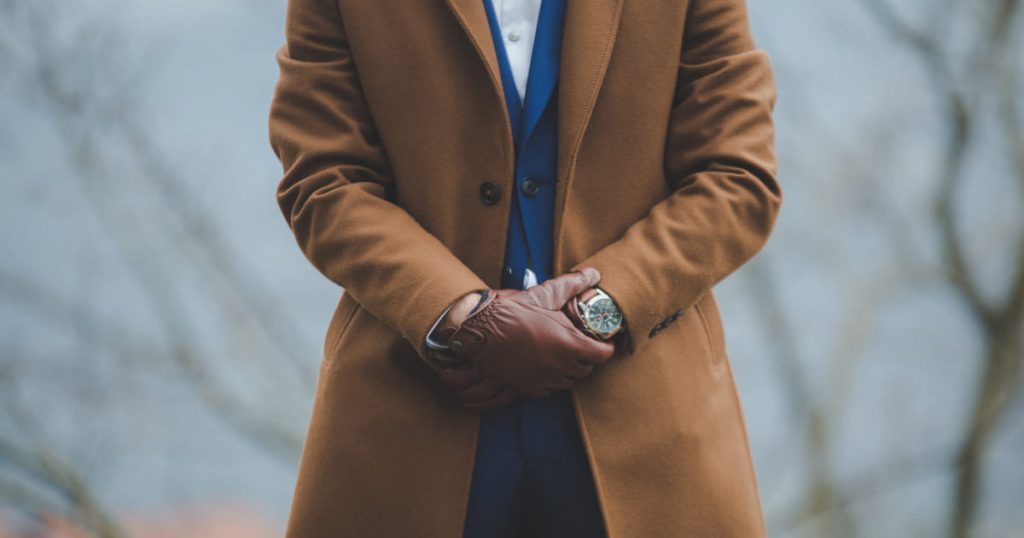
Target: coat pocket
x,y
707,310
338,326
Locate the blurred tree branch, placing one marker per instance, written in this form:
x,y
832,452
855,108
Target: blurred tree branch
x,y
86,119
46,470
89,89
961,87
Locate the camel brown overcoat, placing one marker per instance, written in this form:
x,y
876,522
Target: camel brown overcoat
x,y
389,116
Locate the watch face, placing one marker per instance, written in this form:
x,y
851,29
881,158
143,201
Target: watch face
x,y
603,316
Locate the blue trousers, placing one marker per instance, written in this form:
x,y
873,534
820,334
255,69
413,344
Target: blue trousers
x,y
531,476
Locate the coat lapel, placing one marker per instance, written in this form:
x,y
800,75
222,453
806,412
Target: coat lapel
x,y
472,16
590,30
544,60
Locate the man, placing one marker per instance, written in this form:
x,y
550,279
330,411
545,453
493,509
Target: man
x,y
527,342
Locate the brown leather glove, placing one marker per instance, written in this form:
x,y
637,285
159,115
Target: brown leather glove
x,y
522,339
477,392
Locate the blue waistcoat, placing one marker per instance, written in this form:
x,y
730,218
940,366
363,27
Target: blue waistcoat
x,y
534,130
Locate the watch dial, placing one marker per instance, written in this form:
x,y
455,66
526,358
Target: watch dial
x,y
603,316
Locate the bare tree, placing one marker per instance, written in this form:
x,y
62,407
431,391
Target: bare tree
x,y
976,78
88,88
965,84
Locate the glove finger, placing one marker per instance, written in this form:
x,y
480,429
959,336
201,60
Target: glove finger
x,y
504,397
460,378
553,293
576,370
485,389
589,349
585,360
573,313
540,392
563,384
594,351
552,386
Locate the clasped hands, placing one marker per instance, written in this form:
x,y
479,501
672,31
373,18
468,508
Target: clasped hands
x,y
522,343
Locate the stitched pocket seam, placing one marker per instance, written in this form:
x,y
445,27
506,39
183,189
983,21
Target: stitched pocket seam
x,y
716,355
342,330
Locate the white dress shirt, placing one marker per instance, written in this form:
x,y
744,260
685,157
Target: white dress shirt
x,y
518,22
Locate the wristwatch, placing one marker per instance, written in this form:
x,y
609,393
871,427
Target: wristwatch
x,y
599,314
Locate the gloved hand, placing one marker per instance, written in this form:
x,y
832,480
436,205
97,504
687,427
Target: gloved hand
x,y
522,343
477,392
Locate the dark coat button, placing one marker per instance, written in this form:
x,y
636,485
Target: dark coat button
x,y
507,273
490,192
530,186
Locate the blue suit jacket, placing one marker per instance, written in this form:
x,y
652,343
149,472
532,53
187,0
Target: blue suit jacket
x,y
534,129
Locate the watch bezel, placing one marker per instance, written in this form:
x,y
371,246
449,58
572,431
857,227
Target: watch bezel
x,y
586,307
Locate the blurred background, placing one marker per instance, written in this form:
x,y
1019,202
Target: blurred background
x,y
160,331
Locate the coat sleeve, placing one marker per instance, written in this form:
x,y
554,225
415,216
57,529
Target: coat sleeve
x,y
720,163
336,192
